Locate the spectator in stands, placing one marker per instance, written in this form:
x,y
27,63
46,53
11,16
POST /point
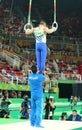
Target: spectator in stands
x,y
74,116
75,100
25,108
4,72
19,94
14,94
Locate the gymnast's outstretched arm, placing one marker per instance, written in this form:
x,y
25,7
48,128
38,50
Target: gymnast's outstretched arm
x,y
29,31
53,29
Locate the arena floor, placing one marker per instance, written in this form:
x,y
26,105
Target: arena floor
x,y
48,125
16,124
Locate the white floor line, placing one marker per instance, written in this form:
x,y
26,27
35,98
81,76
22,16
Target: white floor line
x,y
48,124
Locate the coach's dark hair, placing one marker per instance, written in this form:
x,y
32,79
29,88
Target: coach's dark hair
x,y
34,69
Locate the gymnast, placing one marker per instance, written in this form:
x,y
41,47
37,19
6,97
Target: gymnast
x,y
40,33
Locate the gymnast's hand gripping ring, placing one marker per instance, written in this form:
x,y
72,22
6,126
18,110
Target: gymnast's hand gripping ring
x,y
55,25
28,26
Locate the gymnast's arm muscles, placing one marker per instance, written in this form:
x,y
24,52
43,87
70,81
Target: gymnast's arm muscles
x,y
29,31
48,31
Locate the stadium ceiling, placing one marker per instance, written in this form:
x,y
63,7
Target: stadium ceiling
x,y
61,4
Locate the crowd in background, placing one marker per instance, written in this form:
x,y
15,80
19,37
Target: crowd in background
x,y
57,68
11,22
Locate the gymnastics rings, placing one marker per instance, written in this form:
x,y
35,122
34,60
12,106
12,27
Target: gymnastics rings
x,y
55,25
28,26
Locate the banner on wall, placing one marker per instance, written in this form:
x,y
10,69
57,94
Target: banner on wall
x,y
15,87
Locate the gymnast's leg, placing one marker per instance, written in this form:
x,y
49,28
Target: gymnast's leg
x,y
43,56
41,53
38,56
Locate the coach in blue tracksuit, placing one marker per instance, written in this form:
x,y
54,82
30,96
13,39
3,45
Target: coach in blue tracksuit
x,y
35,82
40,33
